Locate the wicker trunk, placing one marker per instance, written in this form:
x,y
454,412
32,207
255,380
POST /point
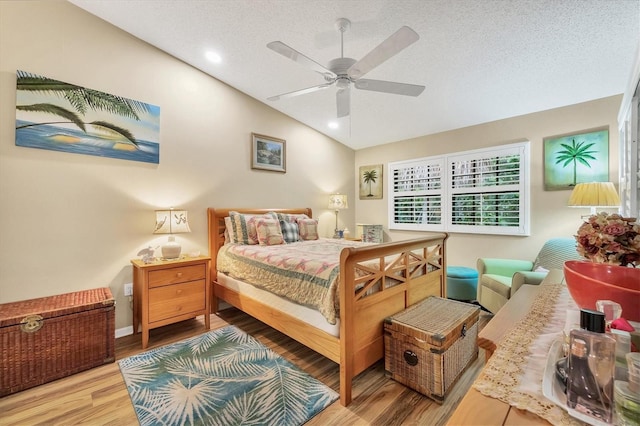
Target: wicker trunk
x,y
429,344
52,337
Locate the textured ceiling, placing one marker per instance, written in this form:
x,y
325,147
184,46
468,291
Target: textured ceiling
x,y
480,60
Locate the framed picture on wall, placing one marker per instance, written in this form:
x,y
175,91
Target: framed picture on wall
x,y
576,158
60,116
268,153
370,178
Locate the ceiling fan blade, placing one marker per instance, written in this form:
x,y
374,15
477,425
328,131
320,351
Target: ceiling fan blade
x,y
343,101
399,40
300,92
294,55
389,87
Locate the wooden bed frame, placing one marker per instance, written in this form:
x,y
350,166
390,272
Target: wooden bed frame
x,y
417,267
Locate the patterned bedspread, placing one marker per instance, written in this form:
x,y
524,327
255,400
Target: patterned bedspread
x,y
305,272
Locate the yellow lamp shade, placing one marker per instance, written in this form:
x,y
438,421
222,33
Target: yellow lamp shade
x,y
594,194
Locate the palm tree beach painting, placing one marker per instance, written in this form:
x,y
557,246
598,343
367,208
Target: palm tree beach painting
x,y
576,158
371,182
59,116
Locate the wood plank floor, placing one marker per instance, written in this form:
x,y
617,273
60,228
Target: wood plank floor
x,y
99,396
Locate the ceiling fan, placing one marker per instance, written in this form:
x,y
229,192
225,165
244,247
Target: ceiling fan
x,y
342,72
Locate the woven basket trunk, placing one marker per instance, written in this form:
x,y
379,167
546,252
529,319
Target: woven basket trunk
x,y
430,344
52,337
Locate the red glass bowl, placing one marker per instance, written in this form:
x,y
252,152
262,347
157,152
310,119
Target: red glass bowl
x,y
589,281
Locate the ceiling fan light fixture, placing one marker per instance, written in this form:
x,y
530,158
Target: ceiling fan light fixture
x,y
342,83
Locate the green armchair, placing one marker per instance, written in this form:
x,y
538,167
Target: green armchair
x,y
499,279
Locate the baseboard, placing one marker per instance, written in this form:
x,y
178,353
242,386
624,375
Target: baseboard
x,y
124,331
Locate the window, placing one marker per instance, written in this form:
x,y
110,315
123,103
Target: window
x,y
482,191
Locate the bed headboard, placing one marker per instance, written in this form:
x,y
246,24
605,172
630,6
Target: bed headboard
x,y
216,228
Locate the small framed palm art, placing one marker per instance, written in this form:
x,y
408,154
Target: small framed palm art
x,y
576,158
370,178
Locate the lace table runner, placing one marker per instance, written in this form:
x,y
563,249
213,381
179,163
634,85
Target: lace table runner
x,y
514,373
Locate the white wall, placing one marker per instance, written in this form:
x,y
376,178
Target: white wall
x,y
550,216
70,222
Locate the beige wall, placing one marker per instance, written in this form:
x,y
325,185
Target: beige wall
x,y
70,222
549,212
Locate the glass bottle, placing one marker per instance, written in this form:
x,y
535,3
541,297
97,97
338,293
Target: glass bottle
x,y
590,374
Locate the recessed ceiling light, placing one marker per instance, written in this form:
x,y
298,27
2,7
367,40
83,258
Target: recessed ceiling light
x,y
333,124
213,57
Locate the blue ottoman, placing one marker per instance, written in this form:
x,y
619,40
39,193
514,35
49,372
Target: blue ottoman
x,y
462,283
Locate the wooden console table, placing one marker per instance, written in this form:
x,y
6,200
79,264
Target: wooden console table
x,y
479,409
513,311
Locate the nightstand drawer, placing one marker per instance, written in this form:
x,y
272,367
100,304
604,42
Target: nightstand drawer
x,y
178,299
180,274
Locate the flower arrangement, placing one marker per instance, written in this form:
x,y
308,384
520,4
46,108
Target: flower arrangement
x,y
610,238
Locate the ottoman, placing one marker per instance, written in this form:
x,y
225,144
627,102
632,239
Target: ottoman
x,y
462,283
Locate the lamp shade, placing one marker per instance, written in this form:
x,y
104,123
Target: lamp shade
x,y
338,202
171,222
594,194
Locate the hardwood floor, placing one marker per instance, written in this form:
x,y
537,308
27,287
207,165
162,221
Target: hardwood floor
x,y
99,396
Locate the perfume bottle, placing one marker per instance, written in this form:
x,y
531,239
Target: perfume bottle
x,y
589,320
590,372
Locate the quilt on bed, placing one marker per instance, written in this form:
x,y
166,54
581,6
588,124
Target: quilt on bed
x,y
305,271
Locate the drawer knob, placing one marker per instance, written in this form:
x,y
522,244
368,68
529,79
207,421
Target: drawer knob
x,y
179,274
178,308
178,291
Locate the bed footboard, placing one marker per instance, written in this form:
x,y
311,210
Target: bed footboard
x,y
406,273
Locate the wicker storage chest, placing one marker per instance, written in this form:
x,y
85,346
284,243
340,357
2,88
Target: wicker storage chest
x,y
429,344
52,337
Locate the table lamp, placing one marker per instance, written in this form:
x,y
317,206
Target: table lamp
x,y
337,202
171,222
594,194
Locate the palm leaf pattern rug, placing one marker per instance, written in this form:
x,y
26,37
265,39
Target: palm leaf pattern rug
x,y
222,377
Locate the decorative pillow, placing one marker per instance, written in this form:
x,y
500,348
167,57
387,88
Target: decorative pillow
x,y
269,232
289,231
291,218
228,235
242,227
308,229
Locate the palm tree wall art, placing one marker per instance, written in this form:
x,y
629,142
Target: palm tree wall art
x,y
59,116
370,179
576,158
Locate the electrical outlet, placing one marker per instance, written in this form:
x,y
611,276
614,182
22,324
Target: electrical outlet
x,y
128,289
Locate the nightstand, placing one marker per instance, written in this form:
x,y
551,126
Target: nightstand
x,y
168,291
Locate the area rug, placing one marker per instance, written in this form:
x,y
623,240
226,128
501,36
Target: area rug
x,y
223,377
